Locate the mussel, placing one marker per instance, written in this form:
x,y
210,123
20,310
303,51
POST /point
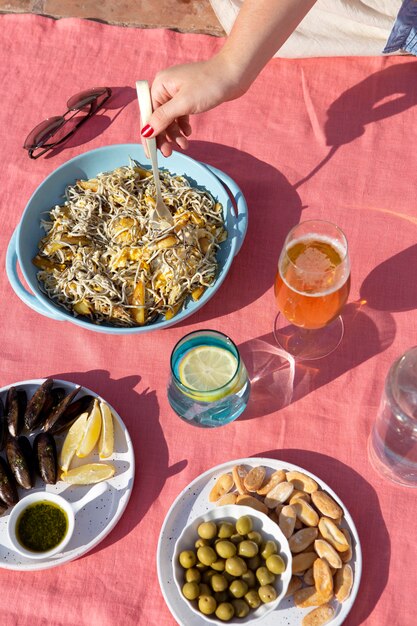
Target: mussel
x,y
71,413
15,411
19,457
3,507
59,410
36,404
3,428
8,489
44,448
53,398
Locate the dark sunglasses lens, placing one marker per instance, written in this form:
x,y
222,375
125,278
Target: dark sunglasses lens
x,y
42,132
85,98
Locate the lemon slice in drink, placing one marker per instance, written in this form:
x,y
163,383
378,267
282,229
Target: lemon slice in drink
x,y
106,441
89,474
207,368
72,441
91,433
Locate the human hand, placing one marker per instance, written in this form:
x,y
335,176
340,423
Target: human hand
x,y
182,90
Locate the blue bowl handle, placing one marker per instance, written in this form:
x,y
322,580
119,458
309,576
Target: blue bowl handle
x,y
239,198
18,288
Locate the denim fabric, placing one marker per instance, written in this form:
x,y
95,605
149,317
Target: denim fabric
x,y
404,33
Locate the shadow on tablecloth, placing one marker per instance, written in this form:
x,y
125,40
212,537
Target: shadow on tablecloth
x,y
140,414
362,502
277,381
274,208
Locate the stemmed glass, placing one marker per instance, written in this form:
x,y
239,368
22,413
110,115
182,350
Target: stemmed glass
x,y
311,287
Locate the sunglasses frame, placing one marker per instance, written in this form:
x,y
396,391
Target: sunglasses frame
x,y
45,147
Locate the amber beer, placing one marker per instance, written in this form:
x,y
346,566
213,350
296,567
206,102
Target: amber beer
x,y
313,280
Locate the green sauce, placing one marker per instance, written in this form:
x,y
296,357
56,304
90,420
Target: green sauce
x,y
41,526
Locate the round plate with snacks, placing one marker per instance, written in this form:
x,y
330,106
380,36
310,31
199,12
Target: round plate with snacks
x,y
326,551
92,445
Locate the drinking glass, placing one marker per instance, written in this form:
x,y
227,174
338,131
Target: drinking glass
x,y
393,441
311,287
199,363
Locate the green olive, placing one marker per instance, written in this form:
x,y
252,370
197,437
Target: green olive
x,y
275,564
248,549
255,536
205,590
225,611
207,604
206,555
218,565
267,593
207,530
236,566
238,588
187,559
192,575
221,596
264,576
226,530
219,582
201,567
244,525
253,599
201,542
240,607
236,538
254,562
249,578
207,576
268,548
191,591
225,549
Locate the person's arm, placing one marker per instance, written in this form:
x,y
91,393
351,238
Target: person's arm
x,y
261,28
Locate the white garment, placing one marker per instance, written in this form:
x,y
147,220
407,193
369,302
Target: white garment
x,y
331,28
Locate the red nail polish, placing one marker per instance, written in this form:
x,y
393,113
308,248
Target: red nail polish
x,y
147,131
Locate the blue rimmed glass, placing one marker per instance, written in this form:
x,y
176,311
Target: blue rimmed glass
x,y
214,407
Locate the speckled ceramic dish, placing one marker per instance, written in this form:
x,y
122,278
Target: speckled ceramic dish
x,y
193,502
99,516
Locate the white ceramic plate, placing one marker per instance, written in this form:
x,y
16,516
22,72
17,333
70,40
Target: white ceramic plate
x,y
193,501
98,517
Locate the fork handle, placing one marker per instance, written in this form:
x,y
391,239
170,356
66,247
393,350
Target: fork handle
x,y
145,105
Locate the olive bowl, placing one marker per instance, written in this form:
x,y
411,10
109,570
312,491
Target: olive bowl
x,y
261,523
70,510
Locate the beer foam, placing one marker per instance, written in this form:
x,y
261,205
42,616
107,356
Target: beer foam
x,y
313,261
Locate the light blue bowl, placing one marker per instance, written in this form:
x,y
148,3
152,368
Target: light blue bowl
x,y
23,245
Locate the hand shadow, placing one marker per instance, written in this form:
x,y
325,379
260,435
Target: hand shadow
x,y
274,208
389,286
99,122
278,381
140,414
379,96
354,491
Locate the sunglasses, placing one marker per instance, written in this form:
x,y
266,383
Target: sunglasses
x,y
81,107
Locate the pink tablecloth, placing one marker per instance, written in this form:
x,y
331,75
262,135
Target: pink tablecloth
x,y
328,138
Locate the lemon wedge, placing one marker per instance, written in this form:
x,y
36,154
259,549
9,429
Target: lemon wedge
x,y
206,368
88,474
91,432
72,441
106,442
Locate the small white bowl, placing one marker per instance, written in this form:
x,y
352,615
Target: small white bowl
x,y
262,523
70,509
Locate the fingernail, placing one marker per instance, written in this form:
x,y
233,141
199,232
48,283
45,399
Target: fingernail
x,y
147,131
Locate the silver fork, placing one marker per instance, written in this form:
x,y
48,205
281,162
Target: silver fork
x,y
161,215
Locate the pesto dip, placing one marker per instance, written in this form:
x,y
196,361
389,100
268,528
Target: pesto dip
x,y
41,526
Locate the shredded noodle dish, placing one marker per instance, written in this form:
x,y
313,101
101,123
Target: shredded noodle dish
x,y
105,257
